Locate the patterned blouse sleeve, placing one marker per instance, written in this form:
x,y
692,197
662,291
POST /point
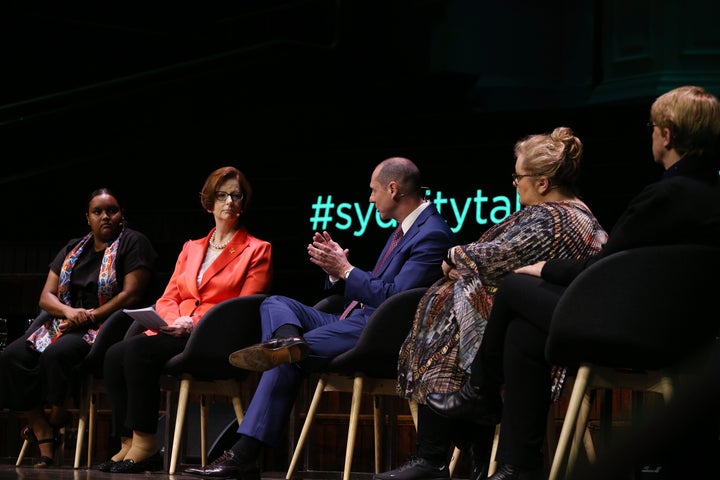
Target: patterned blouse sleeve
x,y
525,237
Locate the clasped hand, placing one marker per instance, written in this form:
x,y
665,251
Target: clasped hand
x,y
328,254
78,318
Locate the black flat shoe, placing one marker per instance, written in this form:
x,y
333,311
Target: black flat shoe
x,y
468,403
153,463
106,466
228,465
269,354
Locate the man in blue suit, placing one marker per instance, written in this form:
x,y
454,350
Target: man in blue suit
x,y
300,339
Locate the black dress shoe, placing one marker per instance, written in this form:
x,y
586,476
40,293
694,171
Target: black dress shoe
x,y
227,465
468,403
153,463
510,472
106,466
266,355
416,469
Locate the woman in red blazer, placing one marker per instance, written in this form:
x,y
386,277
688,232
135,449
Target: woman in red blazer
x,y
228,262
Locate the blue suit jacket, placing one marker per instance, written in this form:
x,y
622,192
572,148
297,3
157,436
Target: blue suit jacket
x,y
415,262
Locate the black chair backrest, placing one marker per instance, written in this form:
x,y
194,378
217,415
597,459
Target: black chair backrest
x,y
42,317
332,304
225,328
644,308
111,331
376,352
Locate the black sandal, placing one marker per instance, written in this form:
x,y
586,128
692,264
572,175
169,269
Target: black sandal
x,y
45,461
28,434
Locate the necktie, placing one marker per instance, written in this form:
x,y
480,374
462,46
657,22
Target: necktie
x,y
397,236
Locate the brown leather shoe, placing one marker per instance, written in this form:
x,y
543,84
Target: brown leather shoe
x,y
266,355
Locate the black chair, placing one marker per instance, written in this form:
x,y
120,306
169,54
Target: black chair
x,y
368,368
630,321
203,367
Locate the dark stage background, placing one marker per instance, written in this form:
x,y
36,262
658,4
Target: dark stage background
x,y
306,97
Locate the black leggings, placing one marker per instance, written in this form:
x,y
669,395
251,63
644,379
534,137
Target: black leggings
x,y
30,379
513,353
132,371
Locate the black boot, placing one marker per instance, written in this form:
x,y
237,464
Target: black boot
x,y
469,403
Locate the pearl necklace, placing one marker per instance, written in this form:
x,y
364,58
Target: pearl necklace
x,y
215,245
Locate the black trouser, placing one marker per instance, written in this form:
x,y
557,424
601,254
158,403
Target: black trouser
x,y
30,379
513,352
132,374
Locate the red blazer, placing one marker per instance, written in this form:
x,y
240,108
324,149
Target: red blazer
x,y
243,268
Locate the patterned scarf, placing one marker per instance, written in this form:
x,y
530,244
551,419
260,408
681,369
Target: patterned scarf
x,y
107,288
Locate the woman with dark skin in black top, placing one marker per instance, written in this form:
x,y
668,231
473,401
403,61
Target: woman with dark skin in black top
x,y
108,269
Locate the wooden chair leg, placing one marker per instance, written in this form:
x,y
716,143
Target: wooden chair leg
x,y
203,429
82,424
306,427
570,421
238,407
352,429
23,451
413,412
179,423
579,432
454,460
80,439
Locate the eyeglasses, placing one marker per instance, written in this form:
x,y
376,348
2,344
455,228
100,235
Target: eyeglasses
x,y
222,196
650,127
519,176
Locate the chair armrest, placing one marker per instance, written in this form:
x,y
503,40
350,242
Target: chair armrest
x,y
332,304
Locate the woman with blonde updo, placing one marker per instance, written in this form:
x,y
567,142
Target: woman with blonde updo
x,y
451,317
